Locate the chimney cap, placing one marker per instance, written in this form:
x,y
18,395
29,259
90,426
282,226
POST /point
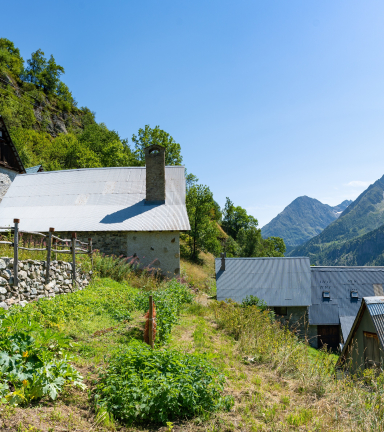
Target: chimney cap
x,y
154,149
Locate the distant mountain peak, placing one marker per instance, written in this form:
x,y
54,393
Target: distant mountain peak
x,y
301,220
355,237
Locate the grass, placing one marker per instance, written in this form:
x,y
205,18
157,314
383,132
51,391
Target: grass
x,y
278,383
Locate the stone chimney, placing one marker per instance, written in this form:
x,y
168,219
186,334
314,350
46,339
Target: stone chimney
x,y
155,174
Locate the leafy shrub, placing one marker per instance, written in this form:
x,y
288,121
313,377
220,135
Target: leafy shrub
x,y
252,300
169,301
143,385
32,364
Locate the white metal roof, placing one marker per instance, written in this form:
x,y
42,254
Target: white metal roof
x,y
94,199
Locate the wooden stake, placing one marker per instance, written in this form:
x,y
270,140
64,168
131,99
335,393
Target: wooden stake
x,y
73,259
150,318
90,250
16,253
49,246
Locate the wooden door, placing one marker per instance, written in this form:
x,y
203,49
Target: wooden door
x,y
328,335
371,350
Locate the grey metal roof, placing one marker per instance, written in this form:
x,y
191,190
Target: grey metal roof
x,y
277,281
33,170
340,281
94,199
346,323
375,307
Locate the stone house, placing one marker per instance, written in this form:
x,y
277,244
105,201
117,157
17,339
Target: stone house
x,y
10,162
129,211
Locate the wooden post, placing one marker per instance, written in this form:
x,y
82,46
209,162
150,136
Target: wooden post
x,y
150,318
49,245
90,250
73,259
55,243
16,253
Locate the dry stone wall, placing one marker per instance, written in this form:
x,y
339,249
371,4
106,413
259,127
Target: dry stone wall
x,y
32,284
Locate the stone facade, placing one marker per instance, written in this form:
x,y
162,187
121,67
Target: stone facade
x,y
32,285
157,249
6,178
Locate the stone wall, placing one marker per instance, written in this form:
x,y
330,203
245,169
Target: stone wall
x,y
6,178
32,281
158,249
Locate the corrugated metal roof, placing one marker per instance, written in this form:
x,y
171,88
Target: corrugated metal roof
x,y
346,325
340,281
94,199
277,281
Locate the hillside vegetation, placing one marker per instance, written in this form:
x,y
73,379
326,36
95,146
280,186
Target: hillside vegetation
x,y
349,239
217,366
301,220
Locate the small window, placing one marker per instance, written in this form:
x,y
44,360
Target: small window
x,y
354,295
280,310
326,295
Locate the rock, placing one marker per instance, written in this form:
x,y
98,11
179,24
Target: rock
x,y
3,290
3,281
23,303
23,274
3,264
60,277
21,265
4,305
6,274
33,291
51,285
2,297
10,264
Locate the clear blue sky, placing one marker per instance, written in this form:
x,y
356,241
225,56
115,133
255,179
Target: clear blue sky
x,y
270,100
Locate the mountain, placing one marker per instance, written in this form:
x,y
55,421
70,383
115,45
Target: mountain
x,y
301,220
352,236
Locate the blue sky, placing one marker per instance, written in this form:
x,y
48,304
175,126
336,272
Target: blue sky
x,y
270,100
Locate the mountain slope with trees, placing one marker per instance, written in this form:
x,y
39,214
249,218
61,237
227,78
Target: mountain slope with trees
x,y
357,225
301,220
48,128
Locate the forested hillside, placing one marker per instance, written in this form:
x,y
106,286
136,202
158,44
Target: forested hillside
x,y
48,128
301,220
349,238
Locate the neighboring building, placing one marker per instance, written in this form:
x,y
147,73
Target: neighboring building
x,y
364,346
283,283
130,211
336,295
10,162
34,169
323,299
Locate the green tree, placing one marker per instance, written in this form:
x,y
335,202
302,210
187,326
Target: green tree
x,y
235,218
204,232
251,244
10,58
50,76
36,65
148,136
111,150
